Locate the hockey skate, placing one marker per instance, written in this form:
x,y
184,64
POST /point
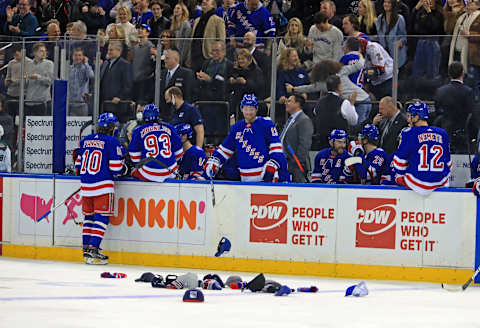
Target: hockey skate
x,y
94,256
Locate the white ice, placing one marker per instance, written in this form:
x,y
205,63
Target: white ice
x,y
36,293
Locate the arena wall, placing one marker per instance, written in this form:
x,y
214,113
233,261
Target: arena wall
x,y
365,232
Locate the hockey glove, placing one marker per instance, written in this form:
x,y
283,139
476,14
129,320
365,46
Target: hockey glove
x,y
476,187
211,167
270,171
355,148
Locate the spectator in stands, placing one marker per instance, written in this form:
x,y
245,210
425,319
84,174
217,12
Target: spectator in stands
x,y
168,41
6,121
455,102
93,16
114,10
158,23
115,32
80,40
246,78
390,122
252,16
141,13
367,17
20,22
346,7
123,17
185,113
175,75
332,112
78,83
116,83
329,8
39,78
290,70
3,9
402,9
427,20
378,68
464,46
225,10
352,55
391,31
294,38
323,70
182,29
143,66
264,62
106,5
53,38
324,40
12,79
59,10
452,10
207,29
297,134
351,27
212,87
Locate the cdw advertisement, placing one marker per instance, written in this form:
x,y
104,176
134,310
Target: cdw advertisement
x,y
403,228
292,223
150,214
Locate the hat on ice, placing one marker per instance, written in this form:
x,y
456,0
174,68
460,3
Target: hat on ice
x,y
193,295
357,290
283,291
233,279
147,277
256,284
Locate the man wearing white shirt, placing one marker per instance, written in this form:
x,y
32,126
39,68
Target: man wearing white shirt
x,y
332,112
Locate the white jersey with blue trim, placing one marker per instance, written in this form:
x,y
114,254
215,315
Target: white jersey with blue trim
x,y
423,158
255,144
242,20
377,56
100,159
191,164
158,140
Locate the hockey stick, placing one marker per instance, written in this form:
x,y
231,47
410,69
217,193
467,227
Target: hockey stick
x,y
455,288
212,189
59,204
295,158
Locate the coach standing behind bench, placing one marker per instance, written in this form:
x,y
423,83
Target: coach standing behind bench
x,y
298,135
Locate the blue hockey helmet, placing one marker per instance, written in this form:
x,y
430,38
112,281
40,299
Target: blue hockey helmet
x,y
370,131
105,119
249,100
419,108
184,128
338,134
150,113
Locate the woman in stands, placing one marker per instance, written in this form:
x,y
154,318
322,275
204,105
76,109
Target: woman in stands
x,y
367,17
290,70
246,78
117,33
124,16
182,29
294,39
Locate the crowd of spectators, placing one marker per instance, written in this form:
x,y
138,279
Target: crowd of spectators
x,y
216,51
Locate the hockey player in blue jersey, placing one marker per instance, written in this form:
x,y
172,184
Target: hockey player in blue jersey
x,y
251,16
259,150
375,159
99,160
159,141
329,166
422,161
191,163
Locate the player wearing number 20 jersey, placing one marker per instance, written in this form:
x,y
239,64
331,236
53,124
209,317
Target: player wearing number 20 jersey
x,y
422,161
158,140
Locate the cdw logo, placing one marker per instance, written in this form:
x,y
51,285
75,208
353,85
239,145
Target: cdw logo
x,y
375,222
268,218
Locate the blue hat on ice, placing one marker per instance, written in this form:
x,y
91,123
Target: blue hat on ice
x,y
357,290
193,295
223,246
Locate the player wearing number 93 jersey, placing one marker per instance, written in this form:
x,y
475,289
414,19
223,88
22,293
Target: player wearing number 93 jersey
x,y
158,140
422,161
99,160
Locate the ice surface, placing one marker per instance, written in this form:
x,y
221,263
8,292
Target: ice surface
x,y
36,293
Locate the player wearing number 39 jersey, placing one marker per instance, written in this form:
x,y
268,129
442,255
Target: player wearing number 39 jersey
x,y
158,140
99,160
422,161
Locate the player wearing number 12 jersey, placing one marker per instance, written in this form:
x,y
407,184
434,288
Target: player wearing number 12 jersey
x,y
99,160
422,161
158,140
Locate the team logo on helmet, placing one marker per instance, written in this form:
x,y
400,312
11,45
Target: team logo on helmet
x,y
419,108
184,128
370,131
338,134
249,100
150,113
105,119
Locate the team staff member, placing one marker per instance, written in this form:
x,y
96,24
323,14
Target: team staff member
x,y
185,113
100,159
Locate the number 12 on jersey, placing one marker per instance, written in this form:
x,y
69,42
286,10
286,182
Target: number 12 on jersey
x,y
434,164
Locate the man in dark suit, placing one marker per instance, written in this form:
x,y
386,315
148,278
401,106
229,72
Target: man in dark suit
x,y
390,122
173,75
297,134
116,81
263,61
455,101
